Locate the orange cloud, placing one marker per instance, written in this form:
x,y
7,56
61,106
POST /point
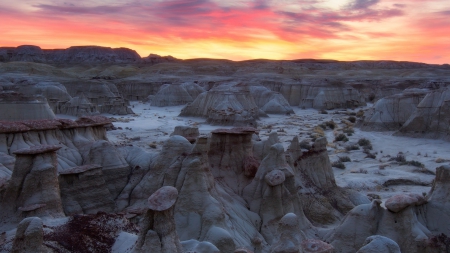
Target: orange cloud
x,y
359,29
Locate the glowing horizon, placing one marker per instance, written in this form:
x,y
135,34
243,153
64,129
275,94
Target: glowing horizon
x,y
413,30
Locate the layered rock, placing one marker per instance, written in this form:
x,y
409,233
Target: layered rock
x,y
269,101
15,107
391,112
231,157
84,190
366,220
225,105
206,211
190,133
176,94
273,193
431,118
82,142
434,215
103,94
318,189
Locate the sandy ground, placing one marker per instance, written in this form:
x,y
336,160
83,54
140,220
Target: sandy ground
x,y
150,126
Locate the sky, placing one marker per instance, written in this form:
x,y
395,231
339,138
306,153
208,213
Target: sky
x,y
402,30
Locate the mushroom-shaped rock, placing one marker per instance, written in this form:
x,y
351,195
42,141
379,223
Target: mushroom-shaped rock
x,y
158,232
378,243
275,177
399,202
163,199
316,246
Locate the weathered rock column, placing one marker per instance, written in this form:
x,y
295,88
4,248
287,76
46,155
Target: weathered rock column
x,y
231,157
158,233
33,189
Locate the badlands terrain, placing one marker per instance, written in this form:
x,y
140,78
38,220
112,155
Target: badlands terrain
x,y
104,151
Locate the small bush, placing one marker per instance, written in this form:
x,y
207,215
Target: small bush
x,y
344,159
352,147
360,113
338,164
364,142
349,131
330,124
367,147
400,158
319,130
323,111
414,163
323,126
370,155
352,119
341,137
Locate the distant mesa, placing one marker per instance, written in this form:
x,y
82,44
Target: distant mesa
x,y
78,55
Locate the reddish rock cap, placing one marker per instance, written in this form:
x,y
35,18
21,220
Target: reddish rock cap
x,y
275,177
163,198
399,202
35,150
317,246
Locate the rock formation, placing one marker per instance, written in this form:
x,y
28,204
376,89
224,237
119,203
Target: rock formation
x,y
225,105
158,233
318,187
84,190
378,243
269,101
33,189
391,112
190,133
432,116
176,94
29,237
17,107
231,157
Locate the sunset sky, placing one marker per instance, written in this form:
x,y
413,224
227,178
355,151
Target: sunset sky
x,y
410,30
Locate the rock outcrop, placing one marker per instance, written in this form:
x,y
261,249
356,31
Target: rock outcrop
x,y
84,190
318,187
431,118
29,237
176,94
15,107
231,157
269,101
391,112
158,233
190,133
76,54
230,104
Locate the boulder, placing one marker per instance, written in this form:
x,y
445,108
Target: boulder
x,y
378,243
29,236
